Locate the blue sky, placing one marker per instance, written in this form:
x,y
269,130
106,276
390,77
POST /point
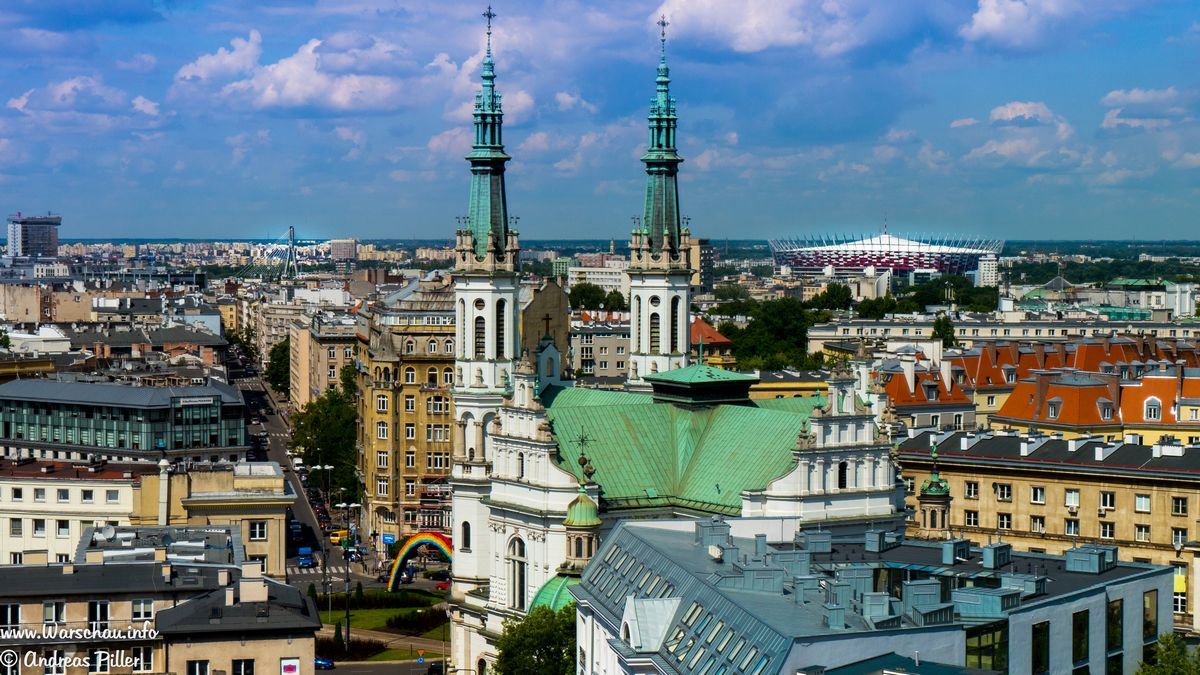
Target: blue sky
x,y
1010,118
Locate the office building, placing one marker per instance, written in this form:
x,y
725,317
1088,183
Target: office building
x,y
33,236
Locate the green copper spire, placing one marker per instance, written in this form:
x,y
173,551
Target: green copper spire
x,y
488,211
661,216
935,486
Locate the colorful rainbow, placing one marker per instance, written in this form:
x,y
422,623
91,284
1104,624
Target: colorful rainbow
x,y
436,539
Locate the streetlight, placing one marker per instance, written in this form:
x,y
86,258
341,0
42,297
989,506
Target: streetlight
x,y
325,542
347,507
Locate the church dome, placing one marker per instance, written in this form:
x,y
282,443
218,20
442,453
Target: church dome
x,y
554,594
582,511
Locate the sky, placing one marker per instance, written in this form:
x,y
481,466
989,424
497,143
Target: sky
x,y
1013,119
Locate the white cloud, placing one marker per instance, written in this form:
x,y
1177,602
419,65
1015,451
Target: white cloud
x,y
931,157
1031,113
1027,24
843,167
1113,119
1124,97
899,135
731,138
356,137
145,106
885,153
456,142
705,160
567,101
139,63
542,141
964,122
1011,148
1188,160
243,58
298,81
1118,176
240,144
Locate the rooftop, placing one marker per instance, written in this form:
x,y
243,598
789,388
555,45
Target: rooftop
x,y
113,394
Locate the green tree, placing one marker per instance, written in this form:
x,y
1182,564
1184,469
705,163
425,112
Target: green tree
x,y
725,292
543,643
358,594
835,296
776,336
348,377
615,301
1171,657
5,341
279,366
943,329
586,296
877,308
339,640
324,431
312,592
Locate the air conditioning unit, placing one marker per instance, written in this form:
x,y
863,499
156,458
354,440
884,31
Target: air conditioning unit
x,y
1073,510
1100,511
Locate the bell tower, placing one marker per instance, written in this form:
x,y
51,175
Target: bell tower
x,y
659,278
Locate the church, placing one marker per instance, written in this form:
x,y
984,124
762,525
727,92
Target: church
x,y
543,470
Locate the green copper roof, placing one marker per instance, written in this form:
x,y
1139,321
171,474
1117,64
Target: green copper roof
x,y
553,593
935,485
698,373
658,454
582,511
661,213
487,212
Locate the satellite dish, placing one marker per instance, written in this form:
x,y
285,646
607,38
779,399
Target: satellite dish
x,y
107,532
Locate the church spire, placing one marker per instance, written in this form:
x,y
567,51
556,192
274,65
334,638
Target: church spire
x,y
487,213
660,219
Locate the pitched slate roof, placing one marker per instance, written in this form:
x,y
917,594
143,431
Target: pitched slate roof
x,y
650,454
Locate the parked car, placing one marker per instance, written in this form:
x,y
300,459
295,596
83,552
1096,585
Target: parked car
x,y
439,575
323,664
442,586
438,668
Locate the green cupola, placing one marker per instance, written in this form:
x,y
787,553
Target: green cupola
x,y
934,500
582,511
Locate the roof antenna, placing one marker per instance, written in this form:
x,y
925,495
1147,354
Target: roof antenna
x,y
885,222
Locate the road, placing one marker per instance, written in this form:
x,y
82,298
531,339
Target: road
x,y
382,669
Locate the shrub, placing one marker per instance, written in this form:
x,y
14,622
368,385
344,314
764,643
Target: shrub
x,y
417,622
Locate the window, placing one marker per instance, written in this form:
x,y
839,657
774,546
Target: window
x,y
910,486
987,646
62,529
1037,494
1179,506
1108,500
16,527
1052,409
381,403
972,489
1071,527
244,666
1072,498
1141,532
1106,411
381,487
410,404
410,377
98,614
410,431
1150,616
1037,524
10,615
1179,536
410,459
258,530
464,542
87,496
843,475
991,400
1004,492
1153,410
971,518
1004,521
381,459
410,488
1079,637
197,668
143,609
516,574
1108,530
1141,503
39,527
64,495
99,661
112,496
143,659
54,611
1040,648
18,494
381,430
39,494
1114,640
935,421
54,661
1179,602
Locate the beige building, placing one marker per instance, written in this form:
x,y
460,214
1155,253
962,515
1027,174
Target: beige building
x,y
406,371
1046,495
546,313
321,345
600,350
273,323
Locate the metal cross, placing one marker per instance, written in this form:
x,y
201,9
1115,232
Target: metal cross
x,y
662,27
489,15
546,319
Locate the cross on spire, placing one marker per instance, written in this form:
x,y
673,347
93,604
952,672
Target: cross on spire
x,y
489,15
662,32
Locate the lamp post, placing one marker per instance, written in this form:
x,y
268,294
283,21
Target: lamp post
x,y
347,507
325,542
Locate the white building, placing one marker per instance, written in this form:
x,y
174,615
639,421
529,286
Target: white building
x,y
610,278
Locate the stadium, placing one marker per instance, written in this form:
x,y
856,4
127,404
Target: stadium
x,y
850,256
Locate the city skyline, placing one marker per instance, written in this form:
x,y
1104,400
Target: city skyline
x,y
352,119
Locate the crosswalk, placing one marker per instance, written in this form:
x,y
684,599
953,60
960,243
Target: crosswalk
x,y
297,571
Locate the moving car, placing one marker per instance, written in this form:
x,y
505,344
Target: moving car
x,y
442,586
305,557
337,536
323,664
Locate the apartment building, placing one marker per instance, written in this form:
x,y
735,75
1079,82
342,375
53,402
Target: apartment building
x,y
405,357
321,345
600,350
1046,494
922,395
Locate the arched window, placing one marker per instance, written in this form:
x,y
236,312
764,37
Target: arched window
x,y
381,430
501,352
447,376
410,375
674,325
431,377
481,667
480,337
520,465
655,345
578,547
410,346
843,475
431,347
449,346
464,543
387,375
516,574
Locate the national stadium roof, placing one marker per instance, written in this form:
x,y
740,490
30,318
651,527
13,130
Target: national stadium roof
x,y
890,243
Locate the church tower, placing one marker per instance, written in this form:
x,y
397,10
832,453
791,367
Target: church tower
x,y
659,278
486,285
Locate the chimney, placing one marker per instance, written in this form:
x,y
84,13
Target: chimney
x,y
166,573
760,546
160,553
68,568
230,596
908,364
223,577
164,491
946,374
94,556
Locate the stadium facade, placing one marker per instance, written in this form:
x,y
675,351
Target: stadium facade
x,y
815,255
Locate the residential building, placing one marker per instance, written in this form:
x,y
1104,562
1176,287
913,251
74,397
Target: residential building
x,y
611,277
49,419
700,261
132,343
921,395
710,347
600,351
321,345
33,236
343,249
560,266
405,355
779,596
789,383
1047,494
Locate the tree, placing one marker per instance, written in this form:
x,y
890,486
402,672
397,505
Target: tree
x,y
776,336
731,292
339,641
312,592
324,431
1171,657
349,380
944,329
586,296
615,301
358,594
543,643
835,296
5,341
279,366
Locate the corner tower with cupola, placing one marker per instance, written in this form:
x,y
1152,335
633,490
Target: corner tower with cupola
x,y
659,278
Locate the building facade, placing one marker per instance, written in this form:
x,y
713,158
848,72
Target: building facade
x,y
33,236
321,345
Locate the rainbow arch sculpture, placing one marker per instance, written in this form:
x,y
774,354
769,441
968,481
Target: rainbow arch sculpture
x,y
436,539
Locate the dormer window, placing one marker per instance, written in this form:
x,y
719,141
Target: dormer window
x,y
1106,411
1153,410
1010,375
1053,407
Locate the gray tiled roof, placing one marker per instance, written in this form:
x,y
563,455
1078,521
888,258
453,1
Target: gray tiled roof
x,y
112,394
